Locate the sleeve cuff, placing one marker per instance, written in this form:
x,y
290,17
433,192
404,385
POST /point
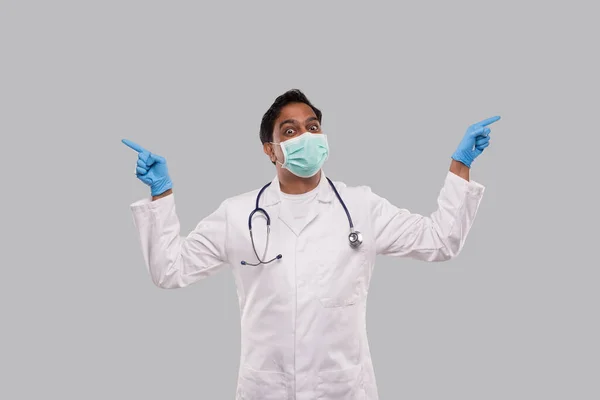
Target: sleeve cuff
x,y
471,187
147,203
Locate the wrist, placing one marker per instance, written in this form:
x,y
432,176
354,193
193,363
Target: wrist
x,y
460,169
163,194
161,186
463,158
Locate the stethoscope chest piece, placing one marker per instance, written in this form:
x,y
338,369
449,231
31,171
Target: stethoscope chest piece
x,y
355,238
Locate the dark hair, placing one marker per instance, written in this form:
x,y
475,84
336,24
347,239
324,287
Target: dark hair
x,y
268,120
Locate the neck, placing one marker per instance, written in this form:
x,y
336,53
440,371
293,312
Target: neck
x,y
292,184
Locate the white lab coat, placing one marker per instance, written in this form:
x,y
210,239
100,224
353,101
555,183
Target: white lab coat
x,y
303,322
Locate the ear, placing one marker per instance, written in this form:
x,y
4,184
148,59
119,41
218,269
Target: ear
x,y
268,149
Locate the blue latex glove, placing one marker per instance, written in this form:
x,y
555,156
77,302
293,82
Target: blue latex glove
x,y
475,140
151,169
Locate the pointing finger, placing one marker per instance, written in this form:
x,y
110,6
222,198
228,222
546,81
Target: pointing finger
x,y
133,145
488,121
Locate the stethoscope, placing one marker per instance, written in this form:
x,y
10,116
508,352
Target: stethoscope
x,y
355,237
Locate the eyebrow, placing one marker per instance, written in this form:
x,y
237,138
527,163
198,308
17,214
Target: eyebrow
x,y
291,121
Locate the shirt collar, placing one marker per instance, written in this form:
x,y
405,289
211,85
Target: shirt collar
x,y
272,195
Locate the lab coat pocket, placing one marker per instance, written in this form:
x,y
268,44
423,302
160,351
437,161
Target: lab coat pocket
x,y
344,384
340,276
263,385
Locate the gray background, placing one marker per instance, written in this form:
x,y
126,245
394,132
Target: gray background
x,y
514,316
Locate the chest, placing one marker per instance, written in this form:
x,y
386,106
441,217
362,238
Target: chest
x,y
317,251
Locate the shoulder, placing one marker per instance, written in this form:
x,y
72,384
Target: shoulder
x,y
360,195
242,198
244,201
354,191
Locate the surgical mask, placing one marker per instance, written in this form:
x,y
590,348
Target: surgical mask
x,y
305,154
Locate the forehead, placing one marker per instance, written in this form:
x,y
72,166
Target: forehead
x,y
297,111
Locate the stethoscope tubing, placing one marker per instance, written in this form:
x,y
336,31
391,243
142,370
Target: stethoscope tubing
x,y
260,210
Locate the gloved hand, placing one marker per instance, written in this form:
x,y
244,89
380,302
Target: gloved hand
x,y
151,169
475,140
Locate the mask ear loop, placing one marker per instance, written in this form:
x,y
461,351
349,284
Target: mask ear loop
x,y
282,150
295,139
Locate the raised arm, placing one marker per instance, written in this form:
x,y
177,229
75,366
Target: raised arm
x,y
437,237
440,236
174,261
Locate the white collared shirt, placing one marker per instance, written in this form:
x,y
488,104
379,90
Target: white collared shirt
x,y
299,206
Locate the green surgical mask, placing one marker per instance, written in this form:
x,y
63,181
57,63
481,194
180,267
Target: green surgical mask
x,y
305,154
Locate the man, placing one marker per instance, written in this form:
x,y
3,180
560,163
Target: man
x,y
302,289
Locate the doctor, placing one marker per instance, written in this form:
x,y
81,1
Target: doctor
x,y
302,284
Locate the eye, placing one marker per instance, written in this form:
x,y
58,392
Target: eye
x,y
289,131
314,127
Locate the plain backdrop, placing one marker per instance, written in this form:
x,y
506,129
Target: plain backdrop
x,y
514,316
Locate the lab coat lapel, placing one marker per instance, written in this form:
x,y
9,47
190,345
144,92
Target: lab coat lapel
x,y
313,213
286,217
